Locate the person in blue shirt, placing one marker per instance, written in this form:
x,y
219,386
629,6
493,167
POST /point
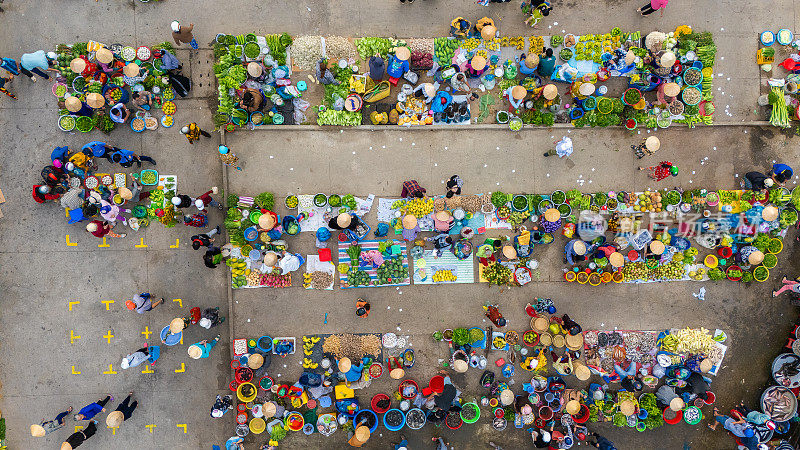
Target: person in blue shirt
x,y
98,149
528,64
10,65
575,251
126,158
398,64
92,409
781,173
37,63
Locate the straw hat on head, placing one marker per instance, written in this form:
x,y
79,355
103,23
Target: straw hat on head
x,y
95,100
266,222
125,193
409,222
114,419
443,216
66,446
582,372
616,259
550,91
460,366
769,213
402,53
430,89
270,258
667,59
706,365
345,365
488,32
73,104
657,247
551,215
574,342
540,324
104,55
630,57
255,361
397,373
586,89
579,248
77,65
573,407
506,397
131,70
37,431
478,62
652,143
531,60
509,252
518,92
362,433
344,220
672,89
627,408
176,325
194,351
254,69
677,404
755,258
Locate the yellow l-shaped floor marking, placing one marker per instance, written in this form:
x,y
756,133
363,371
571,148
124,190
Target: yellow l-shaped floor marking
x,y
141,244
72,303
177,243
110,370
75,372
104,244
182,425
182,369
71,244
180,302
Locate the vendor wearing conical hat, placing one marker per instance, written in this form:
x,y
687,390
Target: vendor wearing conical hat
x,y
483,22
343,221
77,438
74,105
410,227
575,251
398,64
476,66
528,63
548,91
515,95
360,437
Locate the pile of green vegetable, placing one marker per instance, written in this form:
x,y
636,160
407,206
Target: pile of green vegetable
x,y
392,271
370,46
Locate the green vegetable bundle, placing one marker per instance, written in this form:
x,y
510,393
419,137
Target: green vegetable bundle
x,y
354,252
265,200
339,118
103,122
369,46
461,336
780,115
499,199
497,273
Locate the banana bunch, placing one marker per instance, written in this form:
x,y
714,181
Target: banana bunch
x,y
238,267
443,275
308,344
308,364
307,280
669,343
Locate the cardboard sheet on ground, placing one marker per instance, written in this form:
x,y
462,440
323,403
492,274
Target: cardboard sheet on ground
x,y
464,270
344,258
313,264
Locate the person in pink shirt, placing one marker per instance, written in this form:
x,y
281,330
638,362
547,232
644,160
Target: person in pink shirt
x,y
652,6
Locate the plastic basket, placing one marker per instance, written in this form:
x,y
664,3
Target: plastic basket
x,y
475,408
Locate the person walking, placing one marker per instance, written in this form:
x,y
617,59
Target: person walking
x,y
4,82
46,427
601,442
141,303
102,229
193,132
362,308
79,437
183,34
563,148
653,6
38,63
788,285
739,428
122,413
227,157
204,239
92,409
126,158
205,200
136,358
198,220
202,349
756,181
663,170
210,318
454,186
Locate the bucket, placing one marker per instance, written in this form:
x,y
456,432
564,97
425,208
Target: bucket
x,y
264,343
373,404
475,411
437,384
545,413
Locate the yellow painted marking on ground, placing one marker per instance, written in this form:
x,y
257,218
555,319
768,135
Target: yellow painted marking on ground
x,y
146,332
181,342
141,244
75,372
182,369
110,370
147,369
113,430
182,425
72,336
180,302
76,302
66,212
71,244
107,303
150,427
108,336
104,243
177,243
78,428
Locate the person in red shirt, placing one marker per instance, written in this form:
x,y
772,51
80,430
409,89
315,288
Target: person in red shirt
x,y
44,193
663,170
101,229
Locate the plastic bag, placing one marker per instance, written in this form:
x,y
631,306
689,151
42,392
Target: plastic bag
x,y
300,104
